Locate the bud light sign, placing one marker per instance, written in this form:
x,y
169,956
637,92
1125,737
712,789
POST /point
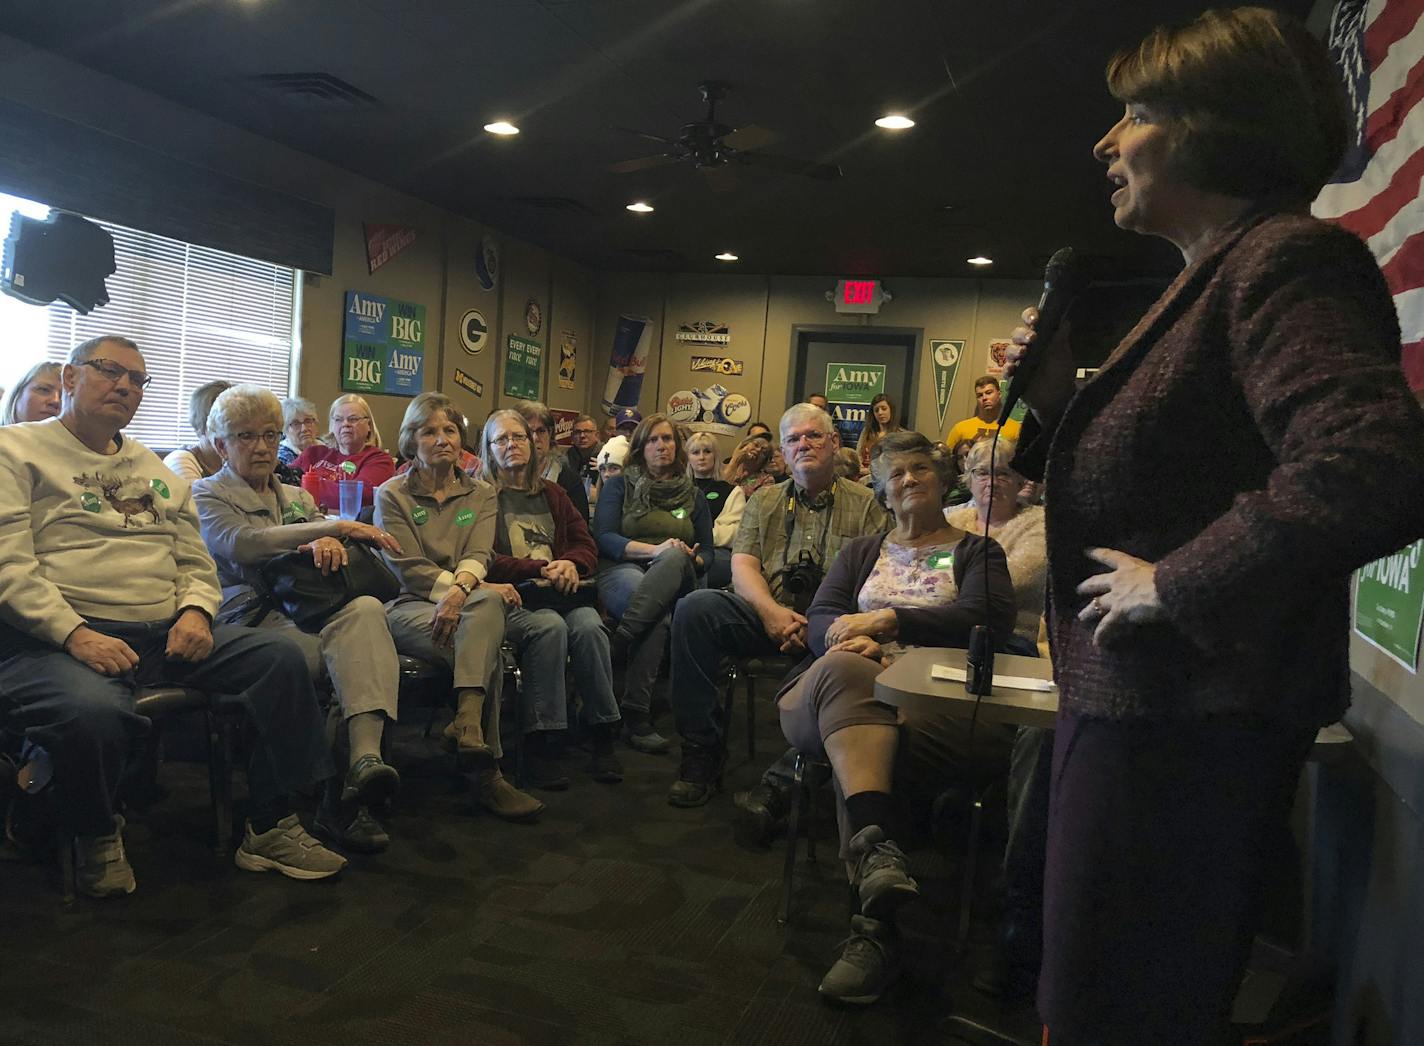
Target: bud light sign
x,y
383,345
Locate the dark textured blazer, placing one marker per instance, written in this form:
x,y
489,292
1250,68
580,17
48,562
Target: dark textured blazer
x,y
1254,438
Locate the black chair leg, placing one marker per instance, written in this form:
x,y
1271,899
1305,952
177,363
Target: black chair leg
x,y
751,718
65,842
729,698
971,860
793,838
220,779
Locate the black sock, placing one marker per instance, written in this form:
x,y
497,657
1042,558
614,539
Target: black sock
x,y
867,808
265,815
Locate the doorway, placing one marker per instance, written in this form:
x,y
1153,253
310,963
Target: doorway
x,y
850,365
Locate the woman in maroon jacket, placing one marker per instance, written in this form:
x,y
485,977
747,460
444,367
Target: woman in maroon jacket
x,y
543,551
1248,445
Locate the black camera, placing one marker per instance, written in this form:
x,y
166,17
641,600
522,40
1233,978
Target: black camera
x,y
799,581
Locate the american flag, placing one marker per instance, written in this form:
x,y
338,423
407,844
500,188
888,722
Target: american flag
x,y
1378,193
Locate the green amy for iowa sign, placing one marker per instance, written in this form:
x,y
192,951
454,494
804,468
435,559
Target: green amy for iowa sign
x,y
854,382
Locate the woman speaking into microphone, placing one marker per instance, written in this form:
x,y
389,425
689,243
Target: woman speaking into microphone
x,y
1248,445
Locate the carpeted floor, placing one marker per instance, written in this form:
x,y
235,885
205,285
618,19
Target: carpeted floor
x,y
614,919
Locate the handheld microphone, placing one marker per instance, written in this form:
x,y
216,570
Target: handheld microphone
x,y
1062,280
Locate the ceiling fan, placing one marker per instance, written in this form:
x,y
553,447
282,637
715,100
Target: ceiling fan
x,y
713,147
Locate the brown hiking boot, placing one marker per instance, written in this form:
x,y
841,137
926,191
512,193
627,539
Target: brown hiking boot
x,y
465,735
499,797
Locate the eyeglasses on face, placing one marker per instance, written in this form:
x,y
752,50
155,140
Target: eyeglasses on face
x,y
112,372
983,473
349,419
538,430
517,439
249,439
302,423
811,439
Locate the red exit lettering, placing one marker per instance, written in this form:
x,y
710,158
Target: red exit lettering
x,y
858,292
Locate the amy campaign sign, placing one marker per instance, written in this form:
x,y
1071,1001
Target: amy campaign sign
x,y
383,345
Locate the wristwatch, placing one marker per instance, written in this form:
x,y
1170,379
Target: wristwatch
x,y
463,586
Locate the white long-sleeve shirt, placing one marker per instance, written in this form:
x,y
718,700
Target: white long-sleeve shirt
x,y
86,535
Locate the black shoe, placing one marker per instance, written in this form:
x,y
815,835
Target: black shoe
x,y
882,873
369,780
761,813
604,766
699,777
362,834
541,762
640,735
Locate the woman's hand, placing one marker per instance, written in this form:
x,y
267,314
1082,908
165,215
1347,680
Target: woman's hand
x,y
369,535
507,593
1124,596
447,616
669,545
878,624
862,645
562,574
328,554
1052,385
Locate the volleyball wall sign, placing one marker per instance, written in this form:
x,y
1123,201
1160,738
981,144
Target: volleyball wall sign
x,y
474,332
487,263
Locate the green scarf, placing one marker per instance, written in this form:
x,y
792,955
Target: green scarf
x,y
657,509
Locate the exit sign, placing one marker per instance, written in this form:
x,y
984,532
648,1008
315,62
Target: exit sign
x,y
859,296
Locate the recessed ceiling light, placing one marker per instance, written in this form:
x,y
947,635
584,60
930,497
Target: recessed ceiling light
x,y
639,207
501,127
726,256
895,122
979,259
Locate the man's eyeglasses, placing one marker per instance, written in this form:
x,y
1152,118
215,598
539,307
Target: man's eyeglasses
x,y
112,372
516,438
811,439
249,439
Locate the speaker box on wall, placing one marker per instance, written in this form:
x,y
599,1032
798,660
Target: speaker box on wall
x,y
62,257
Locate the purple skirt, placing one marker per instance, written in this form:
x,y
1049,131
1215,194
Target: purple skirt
x,y
1158,848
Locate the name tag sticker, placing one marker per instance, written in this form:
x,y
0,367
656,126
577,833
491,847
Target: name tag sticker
x,y
464,517
89,502
294,513
349,467
942,561
419,515
679,513
160,487
712,495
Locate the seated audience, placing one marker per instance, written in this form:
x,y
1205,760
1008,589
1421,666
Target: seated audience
x,y
923,584
584,444
702,460
247,517
625,421
539,536
879,423
987,402
848,464
747,471
357,453
443,521
35,396
801,525
610,463
298,428
818,399
107,588
608,429
549,459
201,459
651,522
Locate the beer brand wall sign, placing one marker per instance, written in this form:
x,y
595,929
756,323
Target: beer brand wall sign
x,y
383,345
384,242
707,332
717,364
533,317
716,409
474,332
468,383
487,263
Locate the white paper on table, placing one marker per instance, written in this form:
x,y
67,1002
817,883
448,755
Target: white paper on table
x,y
950,674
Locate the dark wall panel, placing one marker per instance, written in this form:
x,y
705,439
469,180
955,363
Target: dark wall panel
x,y
78,168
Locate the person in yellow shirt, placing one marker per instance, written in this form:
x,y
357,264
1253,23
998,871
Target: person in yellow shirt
x,y
986,418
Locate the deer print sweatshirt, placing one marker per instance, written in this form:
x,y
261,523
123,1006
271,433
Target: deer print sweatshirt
x,y
101,536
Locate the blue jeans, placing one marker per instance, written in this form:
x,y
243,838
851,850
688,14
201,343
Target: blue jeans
x,y
546,640
709,625
86,720
641,596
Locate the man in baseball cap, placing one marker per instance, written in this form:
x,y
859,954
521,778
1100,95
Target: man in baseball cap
x,y
626,420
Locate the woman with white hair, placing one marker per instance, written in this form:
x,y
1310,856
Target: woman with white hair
x,y
357,454
202,458
298,428
247,517
35,396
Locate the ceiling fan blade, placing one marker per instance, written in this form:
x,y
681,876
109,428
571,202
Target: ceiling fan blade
x,y
722,178
791,165
751,137
642,163
645,134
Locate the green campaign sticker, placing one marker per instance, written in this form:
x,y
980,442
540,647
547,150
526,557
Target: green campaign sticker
x,y
160,486
464,517
712,495
942,561
349,467
679,513
419,515
294,513
90,502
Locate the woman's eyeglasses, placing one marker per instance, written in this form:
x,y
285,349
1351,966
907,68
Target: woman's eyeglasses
x,y
249,439
516,438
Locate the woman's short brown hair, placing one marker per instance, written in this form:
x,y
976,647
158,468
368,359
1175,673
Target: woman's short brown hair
x,y
1250,100
421,410
636,442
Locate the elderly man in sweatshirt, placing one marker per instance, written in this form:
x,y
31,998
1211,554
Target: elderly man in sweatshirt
x,y
107,587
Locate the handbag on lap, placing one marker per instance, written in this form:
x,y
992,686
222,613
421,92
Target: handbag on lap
x,y
540,594
296,586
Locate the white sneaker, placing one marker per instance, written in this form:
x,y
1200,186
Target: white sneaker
x,y
288,849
